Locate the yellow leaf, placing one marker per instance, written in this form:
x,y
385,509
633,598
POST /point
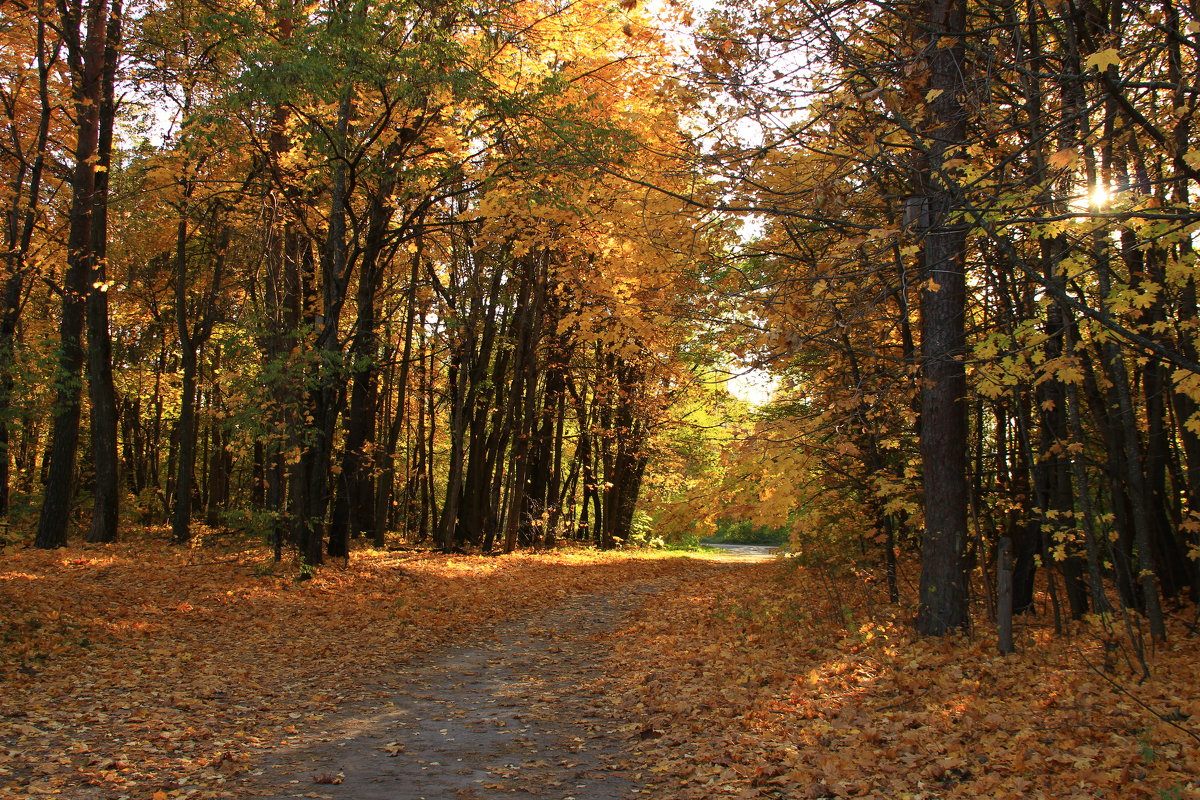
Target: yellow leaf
x,y
1193,424
933,94
1103,60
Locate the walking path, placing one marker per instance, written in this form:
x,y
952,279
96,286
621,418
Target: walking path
x,y
518,713
746,552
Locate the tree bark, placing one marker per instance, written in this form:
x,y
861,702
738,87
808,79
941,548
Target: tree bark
x,y
85,54
1004,597
523,395
105,499
943,587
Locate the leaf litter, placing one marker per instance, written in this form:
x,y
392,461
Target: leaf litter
x,y
131,672
751,685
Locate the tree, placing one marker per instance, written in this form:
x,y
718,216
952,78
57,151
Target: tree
x,y
86,33
893,145
29,104
106,499
943,590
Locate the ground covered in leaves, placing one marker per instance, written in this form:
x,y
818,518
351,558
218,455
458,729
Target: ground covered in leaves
x,y
779,681
151,673
148,672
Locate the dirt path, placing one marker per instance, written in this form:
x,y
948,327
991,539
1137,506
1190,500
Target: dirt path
x,y
517,714
745,553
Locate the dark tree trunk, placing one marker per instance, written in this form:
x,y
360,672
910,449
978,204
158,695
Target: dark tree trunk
x,y
1023,527
192,339
943,587
448,521
106,500
587,526
624,460
1169,558
555,490
325,400
387,478
131,450
85,52
476,508
282,293
220,463
1185,407
524,392
354,505
185,464
427,443
540,495
353,510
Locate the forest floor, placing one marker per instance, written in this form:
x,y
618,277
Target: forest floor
x,y
153,673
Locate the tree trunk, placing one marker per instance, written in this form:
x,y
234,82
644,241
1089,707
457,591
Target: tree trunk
x,y
524,391
387,478
943,587
354,506
106,500
220,463
85,52
1004,596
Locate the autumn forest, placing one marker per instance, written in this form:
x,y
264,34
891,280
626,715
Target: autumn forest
x,y
439,314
